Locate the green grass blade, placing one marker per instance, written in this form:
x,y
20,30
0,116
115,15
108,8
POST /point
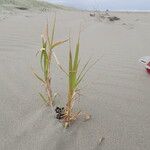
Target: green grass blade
x,y
46,64
41,60
75,66
47,36
70,71
70,62
44,43
53,31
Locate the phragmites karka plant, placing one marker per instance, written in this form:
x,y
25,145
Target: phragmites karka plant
x,y
65,114
46,53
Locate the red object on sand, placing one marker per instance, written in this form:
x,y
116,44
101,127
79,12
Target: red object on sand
x,y
148,67
148,71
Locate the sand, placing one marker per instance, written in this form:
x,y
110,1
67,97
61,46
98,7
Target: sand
x,y
116,91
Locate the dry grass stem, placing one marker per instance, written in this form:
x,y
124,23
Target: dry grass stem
x,y
46,54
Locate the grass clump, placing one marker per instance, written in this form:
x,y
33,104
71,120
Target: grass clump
x,y
74,76
74,79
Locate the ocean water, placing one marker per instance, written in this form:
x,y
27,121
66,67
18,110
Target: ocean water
x,y
141,5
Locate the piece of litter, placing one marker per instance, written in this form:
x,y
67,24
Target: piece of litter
x,y
144,60
101,140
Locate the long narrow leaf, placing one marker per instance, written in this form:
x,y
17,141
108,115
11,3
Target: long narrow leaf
x,y
47,36
83,69
42,55
58,43
38,77
53,31
70,71
76,63
45,64
76,57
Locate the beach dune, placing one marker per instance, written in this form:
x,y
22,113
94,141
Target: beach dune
x,y
116,91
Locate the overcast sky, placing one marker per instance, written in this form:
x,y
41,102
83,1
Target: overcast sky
x,y
106,4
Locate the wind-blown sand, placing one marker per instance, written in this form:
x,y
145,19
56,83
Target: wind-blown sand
x,y
116,92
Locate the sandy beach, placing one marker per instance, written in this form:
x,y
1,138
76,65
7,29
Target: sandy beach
x,y
116,91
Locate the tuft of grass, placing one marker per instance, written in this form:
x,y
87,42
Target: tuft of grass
x,y
74,79
46,53
74,76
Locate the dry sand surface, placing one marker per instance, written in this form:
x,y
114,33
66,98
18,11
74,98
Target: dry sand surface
x,y
116,92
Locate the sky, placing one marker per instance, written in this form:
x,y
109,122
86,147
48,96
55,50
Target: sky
x,y
106,4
